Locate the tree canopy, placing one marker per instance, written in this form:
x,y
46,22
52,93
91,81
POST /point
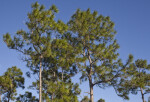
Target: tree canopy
x,y
9,82
93,37
56,51
136,78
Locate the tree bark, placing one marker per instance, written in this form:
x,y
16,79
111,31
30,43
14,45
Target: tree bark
x,y
91,92
0,98
142,94
90,79
62,75
40,78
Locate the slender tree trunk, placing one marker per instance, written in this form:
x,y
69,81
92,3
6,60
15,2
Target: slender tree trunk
x,y
142,94
0,98
91,90
62,75
40,78
91,94
90,79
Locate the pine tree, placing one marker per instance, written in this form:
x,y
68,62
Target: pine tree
x,y
58,72
5,82
36,43
56,90
27,97
85,99
101,100
92,37
59,91
136,78
64,58
10,81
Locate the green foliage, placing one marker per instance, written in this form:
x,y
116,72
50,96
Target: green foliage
x,y
27,97
136,78
92,37
101,100
85,99
37,41
59,91
66,92
95,35
58,51
9,82
5,83
63,60
55,89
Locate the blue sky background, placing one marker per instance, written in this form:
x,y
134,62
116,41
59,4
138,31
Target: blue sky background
x,y
132,22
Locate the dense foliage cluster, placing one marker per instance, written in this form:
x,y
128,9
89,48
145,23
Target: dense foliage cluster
x,y
56,52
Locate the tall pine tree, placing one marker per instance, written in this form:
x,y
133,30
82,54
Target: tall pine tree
x,y
36,42
136,78
9,82
27,97
92,37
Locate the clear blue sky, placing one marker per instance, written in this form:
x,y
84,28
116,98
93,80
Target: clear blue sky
x,y
132,22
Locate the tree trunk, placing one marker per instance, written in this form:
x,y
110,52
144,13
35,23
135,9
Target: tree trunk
x,y
0,98
90,79
40,78
142,94
91,92
62,75
91,89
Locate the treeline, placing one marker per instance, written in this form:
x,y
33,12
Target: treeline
x,y
57,51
